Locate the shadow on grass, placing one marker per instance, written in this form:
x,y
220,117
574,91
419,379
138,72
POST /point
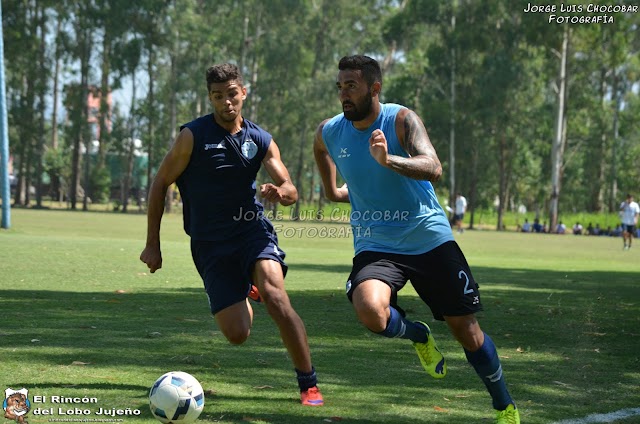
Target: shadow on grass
x,y
561,335
342,270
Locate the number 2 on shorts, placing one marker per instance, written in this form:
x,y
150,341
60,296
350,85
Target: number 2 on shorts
x,y
467,290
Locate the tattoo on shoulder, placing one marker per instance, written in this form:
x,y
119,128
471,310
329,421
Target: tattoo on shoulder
x,y
416,140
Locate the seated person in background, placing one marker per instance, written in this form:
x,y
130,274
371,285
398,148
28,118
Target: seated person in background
x,y
561,228
596,230
617,232
606,232
526,227
537,227
590,229
577,229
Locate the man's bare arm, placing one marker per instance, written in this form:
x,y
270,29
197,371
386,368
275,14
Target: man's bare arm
x,y
423,163
283,191
327,169
173,164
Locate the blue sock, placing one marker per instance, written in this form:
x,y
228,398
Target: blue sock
x,y
403,328
306,380
487,365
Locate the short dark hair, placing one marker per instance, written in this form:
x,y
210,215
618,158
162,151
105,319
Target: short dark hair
x,y
369,67
223,73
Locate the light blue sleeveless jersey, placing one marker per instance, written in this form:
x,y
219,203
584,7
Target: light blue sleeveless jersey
x,y
389,212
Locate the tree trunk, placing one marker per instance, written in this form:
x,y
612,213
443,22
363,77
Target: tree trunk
x,y
613,190
503,159
253,106
452,118
26,135
150,117
473,188
84,44
599,150
173,118
86,136
312,183
130,147
56,189
105,89
56,73
41,144
558,145
126,186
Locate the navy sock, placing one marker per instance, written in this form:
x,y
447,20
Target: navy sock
x,y
403,328
487,365
307,380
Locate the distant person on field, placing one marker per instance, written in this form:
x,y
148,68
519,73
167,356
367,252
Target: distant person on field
x,y
561,228
590,230
536,227
526,227
215,160
577,229
617,232
458,215
629,211
384,154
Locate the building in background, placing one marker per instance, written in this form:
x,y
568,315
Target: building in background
x,y
93,111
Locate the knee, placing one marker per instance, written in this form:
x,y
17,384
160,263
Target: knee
x,y
275,298
235,330
371,302
236,336
371,316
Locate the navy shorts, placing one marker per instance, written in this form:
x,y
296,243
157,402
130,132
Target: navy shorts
x,y
629,228
226,266
441,277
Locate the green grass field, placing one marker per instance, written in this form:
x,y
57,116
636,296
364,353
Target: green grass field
x,y
82,317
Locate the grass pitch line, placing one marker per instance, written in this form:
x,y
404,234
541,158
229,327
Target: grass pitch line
x,y
604,418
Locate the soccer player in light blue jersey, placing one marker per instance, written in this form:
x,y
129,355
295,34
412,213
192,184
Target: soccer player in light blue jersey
x,y
401,233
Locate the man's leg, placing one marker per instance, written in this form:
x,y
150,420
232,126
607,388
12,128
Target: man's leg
x,y
228,301
269,278
482,355
235,322
371,301
625,235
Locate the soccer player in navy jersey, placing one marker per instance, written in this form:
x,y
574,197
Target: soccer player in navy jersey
x,y
400,231
214,161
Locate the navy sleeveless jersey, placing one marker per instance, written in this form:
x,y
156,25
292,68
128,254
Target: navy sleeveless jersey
x,y
218,186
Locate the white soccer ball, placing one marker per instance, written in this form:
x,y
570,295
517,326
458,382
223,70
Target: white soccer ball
x,y
176,397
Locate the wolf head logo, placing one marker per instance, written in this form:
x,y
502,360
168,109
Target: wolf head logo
x,y
16,405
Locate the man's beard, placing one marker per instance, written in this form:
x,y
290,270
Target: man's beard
x,y
360,111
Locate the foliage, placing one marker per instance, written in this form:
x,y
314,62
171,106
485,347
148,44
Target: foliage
x,y
501,63
100,184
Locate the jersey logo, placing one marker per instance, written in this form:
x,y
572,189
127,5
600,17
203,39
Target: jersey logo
x,y
214,146
344,153
249,149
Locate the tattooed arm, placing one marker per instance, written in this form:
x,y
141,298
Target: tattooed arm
x,y
423,163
